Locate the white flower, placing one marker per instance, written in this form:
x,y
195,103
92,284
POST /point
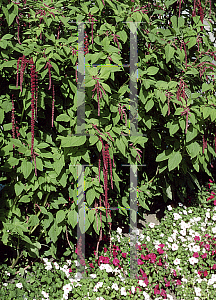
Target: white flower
x,y
148,238
184,280
170,239
174,247
95,288
176,216
197,219
214,230
184,212
56,265
119,230
196,298
123,291
109,268
100,284
214,217
65,296
100,298
19,285
77,263
93,276
190,211
180,204
68,261
193,260
146,296
142,283
45,260
161,235
199,279
48,266
183,232
102,267
133,289
5,284
115,287
196,248
198,291
169,297
67,288
46,295
169,207
141,236
176,261
151,225
208,215
211,281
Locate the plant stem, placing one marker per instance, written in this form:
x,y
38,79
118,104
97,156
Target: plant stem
x,y
38,214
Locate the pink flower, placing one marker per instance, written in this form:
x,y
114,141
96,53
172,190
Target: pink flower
x,y
207,247
140,262
204,255
115,261
214,267
197,238
160,251
156,291
161,245
195,254
91,265
205,273
124,255
105,250
178,282
163,293
106,260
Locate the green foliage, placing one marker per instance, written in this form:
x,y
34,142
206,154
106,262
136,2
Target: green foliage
x,y
176,112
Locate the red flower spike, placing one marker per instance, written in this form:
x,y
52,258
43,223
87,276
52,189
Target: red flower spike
x,y
13,120
32,103
53,105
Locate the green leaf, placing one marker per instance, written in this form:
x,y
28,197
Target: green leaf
x,y
73,141
93,139
149,105
206,87
90,196
60,216
39,163
174,160
91,215
53,234
25,199
26,168
121,146
169,52
193,149
173,128
19,187
63,117
72,218
55,67
191,134
152,70
106,87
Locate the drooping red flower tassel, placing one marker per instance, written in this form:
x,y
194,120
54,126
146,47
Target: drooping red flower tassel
x,y
13,120
32,103
53,105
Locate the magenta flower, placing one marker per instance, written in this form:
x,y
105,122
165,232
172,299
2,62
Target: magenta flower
x,y
195,254
204,255
124,255
91,265
115,261
197,238
140,262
